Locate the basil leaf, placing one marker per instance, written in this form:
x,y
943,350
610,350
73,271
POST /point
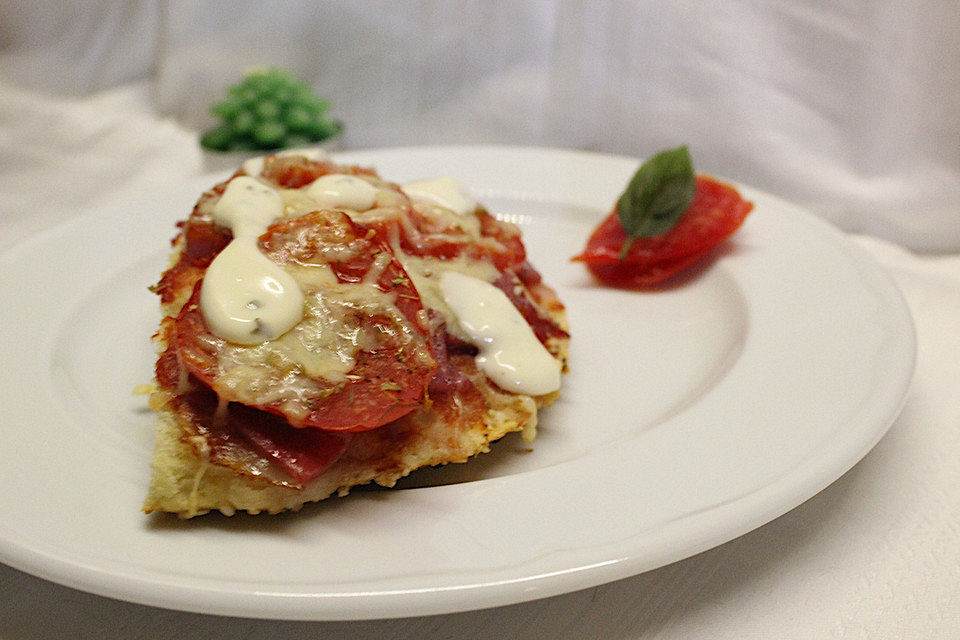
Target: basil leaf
x,y
659,193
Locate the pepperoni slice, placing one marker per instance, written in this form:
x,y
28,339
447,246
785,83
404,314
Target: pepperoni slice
x,y
716,212
251,442
513,286
295,171
499,244
202,241
390,349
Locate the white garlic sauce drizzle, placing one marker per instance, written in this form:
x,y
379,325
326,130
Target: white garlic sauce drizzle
x,y
340,190
510,353
445,192
246,298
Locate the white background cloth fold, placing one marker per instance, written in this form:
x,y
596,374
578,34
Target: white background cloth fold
x,y
847,108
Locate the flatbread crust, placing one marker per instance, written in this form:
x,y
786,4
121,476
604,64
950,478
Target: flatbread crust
x,y
188,485
447,428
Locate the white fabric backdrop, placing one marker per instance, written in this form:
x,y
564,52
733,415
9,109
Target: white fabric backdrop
x,y
849,108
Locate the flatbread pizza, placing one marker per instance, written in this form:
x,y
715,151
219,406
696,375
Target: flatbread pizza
x,y
323,328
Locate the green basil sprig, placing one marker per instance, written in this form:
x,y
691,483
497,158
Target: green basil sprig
x,y
657,196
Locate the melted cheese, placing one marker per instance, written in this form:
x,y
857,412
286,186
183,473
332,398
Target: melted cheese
x,y
426,272
363,198
320,349
318,353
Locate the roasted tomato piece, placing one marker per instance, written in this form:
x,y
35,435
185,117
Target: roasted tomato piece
x,y
716,212
361,356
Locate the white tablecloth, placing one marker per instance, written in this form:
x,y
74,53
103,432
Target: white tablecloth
x,y
876,555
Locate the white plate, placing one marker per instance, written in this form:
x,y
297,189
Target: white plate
x,y
691,415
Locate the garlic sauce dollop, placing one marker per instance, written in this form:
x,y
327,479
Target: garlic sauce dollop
x,y
246,298
510,353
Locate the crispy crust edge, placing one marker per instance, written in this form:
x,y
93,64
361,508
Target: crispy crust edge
x,y
183,482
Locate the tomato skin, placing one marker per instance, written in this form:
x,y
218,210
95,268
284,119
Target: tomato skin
x,y
716,212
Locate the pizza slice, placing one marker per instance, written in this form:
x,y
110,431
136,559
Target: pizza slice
x,y
324,328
